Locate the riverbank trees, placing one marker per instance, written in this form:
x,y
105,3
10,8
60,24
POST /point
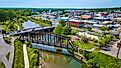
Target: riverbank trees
x,y
18,55
100,60
41,22
33,55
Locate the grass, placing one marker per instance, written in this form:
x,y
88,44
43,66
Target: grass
x,y
83,45
1,65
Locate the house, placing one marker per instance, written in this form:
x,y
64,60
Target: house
x,y
107,22
75,23
64,18
102,18
113,25
86,17
89,22
97,25
118,19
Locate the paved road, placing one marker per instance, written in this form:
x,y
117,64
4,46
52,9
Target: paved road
x,y
26,61
5,49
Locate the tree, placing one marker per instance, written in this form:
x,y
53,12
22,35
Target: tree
x,y
104,28
59,30
89,28
119,46
84,39
104,39
73,32
62,22
67,30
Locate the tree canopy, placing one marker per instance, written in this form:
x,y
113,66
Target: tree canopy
x,y
62,22
59,30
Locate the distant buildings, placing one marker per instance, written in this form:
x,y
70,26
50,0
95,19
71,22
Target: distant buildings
x,y
87,17
75,23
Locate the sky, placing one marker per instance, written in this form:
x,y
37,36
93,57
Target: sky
x,y
60,3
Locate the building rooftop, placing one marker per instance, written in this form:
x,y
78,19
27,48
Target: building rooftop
x,y
75,20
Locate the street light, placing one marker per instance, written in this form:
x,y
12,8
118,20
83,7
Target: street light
x,y
119,46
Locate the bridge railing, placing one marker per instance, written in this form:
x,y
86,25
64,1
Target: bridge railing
x,y
51,40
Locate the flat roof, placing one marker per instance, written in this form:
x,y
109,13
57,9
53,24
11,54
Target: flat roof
x,y
75,20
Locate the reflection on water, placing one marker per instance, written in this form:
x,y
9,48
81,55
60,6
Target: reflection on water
x,y
53,60
30,24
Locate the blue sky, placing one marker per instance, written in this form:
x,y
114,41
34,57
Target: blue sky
x,y
61,3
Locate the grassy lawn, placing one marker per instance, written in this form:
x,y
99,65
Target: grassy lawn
x,y
82,45
1,65
100,60
33,56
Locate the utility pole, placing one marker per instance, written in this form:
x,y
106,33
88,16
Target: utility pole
x,y
119,46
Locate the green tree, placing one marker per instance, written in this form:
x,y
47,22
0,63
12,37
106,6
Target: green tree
x,y
89,28
73,32
59,30
67,30
104,28
62,22
104,39
84,39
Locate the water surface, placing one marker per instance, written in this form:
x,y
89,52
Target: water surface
x,y
54,60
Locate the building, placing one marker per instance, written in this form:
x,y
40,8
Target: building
x,y
102,18
97,25
75,23
64,18
86,17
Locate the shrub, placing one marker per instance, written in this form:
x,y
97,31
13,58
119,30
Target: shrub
x,y
73,32
33,55
19,57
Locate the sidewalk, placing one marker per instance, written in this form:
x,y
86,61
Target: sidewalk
x,y
26,61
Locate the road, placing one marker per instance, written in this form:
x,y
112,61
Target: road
x,y
5,49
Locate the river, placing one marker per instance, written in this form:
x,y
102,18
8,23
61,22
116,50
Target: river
x,y
54,60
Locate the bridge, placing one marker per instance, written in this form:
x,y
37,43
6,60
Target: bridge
x,y
50,40
46,29
43,35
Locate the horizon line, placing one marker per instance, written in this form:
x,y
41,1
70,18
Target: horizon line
x,y
58,7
